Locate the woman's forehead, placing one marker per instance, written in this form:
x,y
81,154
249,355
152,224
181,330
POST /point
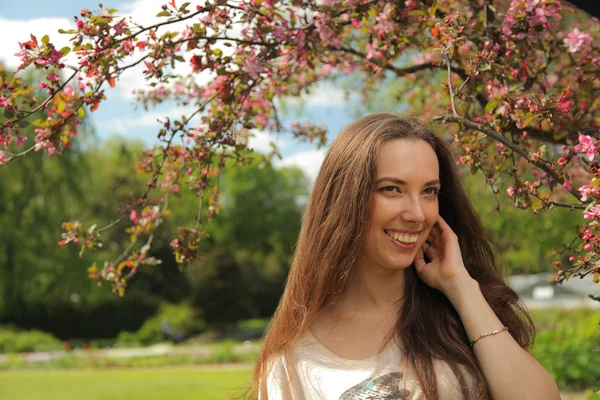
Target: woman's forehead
x,y
407,158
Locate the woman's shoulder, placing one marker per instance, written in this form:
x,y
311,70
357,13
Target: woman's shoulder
x,y
280,381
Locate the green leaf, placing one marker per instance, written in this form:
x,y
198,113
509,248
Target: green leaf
x,y
217,52
550,93
528,119
163,14
417,12
183,6
413,40
490,106
60,103
9,112
45,39
65,50
23,123
516,86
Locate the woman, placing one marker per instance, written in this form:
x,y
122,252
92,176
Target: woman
x,y
392,281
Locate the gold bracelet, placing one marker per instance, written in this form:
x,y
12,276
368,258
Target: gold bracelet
x,y
504,328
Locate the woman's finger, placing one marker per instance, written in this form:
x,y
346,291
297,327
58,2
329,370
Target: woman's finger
x,y
419,261
443,226
429,250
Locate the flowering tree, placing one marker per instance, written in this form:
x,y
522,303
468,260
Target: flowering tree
x,y
514,82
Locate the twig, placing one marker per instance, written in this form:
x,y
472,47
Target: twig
x,y
472,125
447,60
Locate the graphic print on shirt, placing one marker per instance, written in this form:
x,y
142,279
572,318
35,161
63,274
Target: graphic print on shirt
x,y
385,387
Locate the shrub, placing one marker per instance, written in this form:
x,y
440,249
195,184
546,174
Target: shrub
x,y
15,341
564,343
181,318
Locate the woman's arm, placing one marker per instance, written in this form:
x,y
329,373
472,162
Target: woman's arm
x,y
510,371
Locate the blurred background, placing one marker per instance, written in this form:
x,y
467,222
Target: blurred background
x,y
193,333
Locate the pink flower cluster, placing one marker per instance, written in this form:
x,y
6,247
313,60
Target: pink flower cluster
x,y
577,41
587,190
593,212
588,146
542,13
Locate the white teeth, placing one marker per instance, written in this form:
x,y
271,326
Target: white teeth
x,y
404,238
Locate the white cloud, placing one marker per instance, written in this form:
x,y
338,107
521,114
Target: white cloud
x,y
309,161
14,31
152,119
261,141
322,94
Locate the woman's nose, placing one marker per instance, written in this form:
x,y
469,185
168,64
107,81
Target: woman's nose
x,y
413,211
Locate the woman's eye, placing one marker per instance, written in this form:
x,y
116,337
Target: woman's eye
x,y
389,189
432,191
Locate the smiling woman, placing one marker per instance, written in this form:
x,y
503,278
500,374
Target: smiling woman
x,y
394,291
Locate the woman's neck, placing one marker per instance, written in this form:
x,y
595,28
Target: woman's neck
x,y
375,289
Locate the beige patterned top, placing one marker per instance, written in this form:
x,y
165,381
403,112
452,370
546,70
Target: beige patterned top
x,y
315,373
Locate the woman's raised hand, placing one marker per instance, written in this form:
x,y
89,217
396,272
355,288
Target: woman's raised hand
x,y
446,267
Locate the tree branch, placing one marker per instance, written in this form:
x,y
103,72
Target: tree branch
x,y
444,119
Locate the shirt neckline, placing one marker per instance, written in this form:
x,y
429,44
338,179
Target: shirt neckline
x,y
324,350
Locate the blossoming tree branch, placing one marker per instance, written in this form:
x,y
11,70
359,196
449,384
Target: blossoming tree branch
x,y
514,84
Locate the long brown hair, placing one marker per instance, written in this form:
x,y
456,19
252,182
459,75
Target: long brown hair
x,y
333,231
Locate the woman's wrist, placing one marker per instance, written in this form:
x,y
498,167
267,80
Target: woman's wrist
x,y
461,289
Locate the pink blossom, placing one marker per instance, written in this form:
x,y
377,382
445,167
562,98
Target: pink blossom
x,y
133,215
587,235
3,159
53,77
510,191
577,40
69,91
531,4
3,102
327,68
253,68
593,212
120,27
587,146
567,186
585,190
128,45
572,258
564,105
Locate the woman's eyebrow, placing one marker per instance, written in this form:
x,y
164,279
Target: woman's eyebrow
x,y
401,182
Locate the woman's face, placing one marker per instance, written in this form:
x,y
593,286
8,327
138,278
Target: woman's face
x,y
404,203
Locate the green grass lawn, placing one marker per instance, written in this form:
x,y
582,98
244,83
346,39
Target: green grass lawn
x,y
173,383
185,383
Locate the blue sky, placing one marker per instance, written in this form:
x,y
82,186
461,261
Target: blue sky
x,y
117,115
